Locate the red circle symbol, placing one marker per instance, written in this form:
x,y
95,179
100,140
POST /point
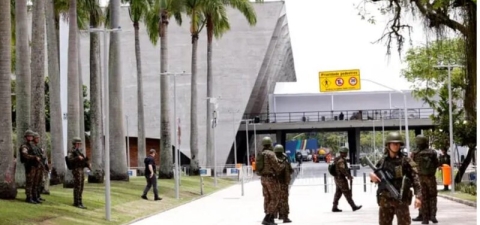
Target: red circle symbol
x,y
353,81
339,82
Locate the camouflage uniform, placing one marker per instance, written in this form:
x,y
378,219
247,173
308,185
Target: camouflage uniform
x,y
269,180
30,162
78,175
398,166
341,182
42,169
427,162
284,179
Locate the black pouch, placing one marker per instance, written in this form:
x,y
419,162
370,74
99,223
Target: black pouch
x,y
409,197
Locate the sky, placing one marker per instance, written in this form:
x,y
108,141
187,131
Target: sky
x,y
330,35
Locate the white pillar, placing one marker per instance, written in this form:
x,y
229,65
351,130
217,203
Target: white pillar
x,y
63,38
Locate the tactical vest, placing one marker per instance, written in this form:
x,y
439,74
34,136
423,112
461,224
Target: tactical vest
x,y
426,165
395,168
259,163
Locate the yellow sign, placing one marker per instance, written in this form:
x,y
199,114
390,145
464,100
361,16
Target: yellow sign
x,y
340,80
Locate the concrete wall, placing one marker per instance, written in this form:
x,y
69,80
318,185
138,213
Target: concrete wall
x,y
237,58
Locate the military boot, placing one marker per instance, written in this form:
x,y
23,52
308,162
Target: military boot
x,y
272,220
336,209
434,219
418,218
425,221
265,220
29,200
286,220
356,207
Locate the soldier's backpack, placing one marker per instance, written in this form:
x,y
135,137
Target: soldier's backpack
x,y
332,169
259,164
69,165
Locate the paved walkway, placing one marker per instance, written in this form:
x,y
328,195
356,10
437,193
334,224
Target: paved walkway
x,y
309,205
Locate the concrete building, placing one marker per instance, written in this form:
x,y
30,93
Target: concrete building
x,y
247,63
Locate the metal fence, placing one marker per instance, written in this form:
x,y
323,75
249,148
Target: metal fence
x,y
343,115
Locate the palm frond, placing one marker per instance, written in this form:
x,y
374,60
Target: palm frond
x,y
152,20
246,8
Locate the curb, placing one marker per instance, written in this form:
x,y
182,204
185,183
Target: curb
x,y
461,201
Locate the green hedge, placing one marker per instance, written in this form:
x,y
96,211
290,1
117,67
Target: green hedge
x,y
468,188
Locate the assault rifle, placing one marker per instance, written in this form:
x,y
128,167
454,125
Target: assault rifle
x,y
37,151
385,178
85,160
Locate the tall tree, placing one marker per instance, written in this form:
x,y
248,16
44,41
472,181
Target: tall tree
x,y
23,81
56,118
118,153
217,24
439,16
73,98
96,132
138,11
8,188
157,22
194,11
430,85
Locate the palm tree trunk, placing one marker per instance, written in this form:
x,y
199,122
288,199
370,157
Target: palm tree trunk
x,y
38,65
23,82
81,111
210,157
194,167
73,104
96,133
118,159
8,188
142,151
56,126
166,160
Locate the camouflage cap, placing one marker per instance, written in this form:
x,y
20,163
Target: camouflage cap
x,y
278,149
36,135
29,133
76,140
343,150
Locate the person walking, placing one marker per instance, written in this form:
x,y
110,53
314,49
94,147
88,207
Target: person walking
x,y
341,184
284,179
150,171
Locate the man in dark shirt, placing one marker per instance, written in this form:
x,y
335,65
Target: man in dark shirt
x,y
150,170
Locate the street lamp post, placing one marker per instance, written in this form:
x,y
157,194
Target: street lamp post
x,y
449,68
407,137
106,118
234,137
255,139
177,149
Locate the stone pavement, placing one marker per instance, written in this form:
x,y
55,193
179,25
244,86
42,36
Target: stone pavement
x,y
309,205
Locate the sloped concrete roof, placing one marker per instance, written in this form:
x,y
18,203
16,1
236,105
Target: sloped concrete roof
x,y
237,58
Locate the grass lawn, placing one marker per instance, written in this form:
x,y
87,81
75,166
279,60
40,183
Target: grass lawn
x,y
460,195
125,196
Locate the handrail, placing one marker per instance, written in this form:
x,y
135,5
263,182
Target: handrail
x,y
336,115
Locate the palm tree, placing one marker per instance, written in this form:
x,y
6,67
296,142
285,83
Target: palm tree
x,y
118,160
217,24
8,188
138,11
194,10
157,21
96,132
23,82
56,126
73,104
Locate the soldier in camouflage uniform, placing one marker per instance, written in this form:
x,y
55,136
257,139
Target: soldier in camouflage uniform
x,y
78,163
269,179
427,162
284,179
444,159
31,162
341,183
398,165
43,169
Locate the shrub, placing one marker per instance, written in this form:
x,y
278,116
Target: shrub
x,y
468,188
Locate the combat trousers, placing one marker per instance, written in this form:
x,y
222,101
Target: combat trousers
x,y
78,182
429,196
390,207
32,173
342,188
270,194
40,180
283,207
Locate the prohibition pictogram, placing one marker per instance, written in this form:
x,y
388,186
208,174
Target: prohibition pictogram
x,y
352,81
339,82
